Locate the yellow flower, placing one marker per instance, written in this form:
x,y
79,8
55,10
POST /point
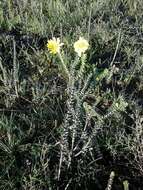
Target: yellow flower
x,y
81,46
54,45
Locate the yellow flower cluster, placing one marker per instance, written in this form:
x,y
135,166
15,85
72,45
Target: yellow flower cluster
x,y
54,45
80,46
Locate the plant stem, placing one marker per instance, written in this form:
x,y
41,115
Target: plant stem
x,y
64,66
